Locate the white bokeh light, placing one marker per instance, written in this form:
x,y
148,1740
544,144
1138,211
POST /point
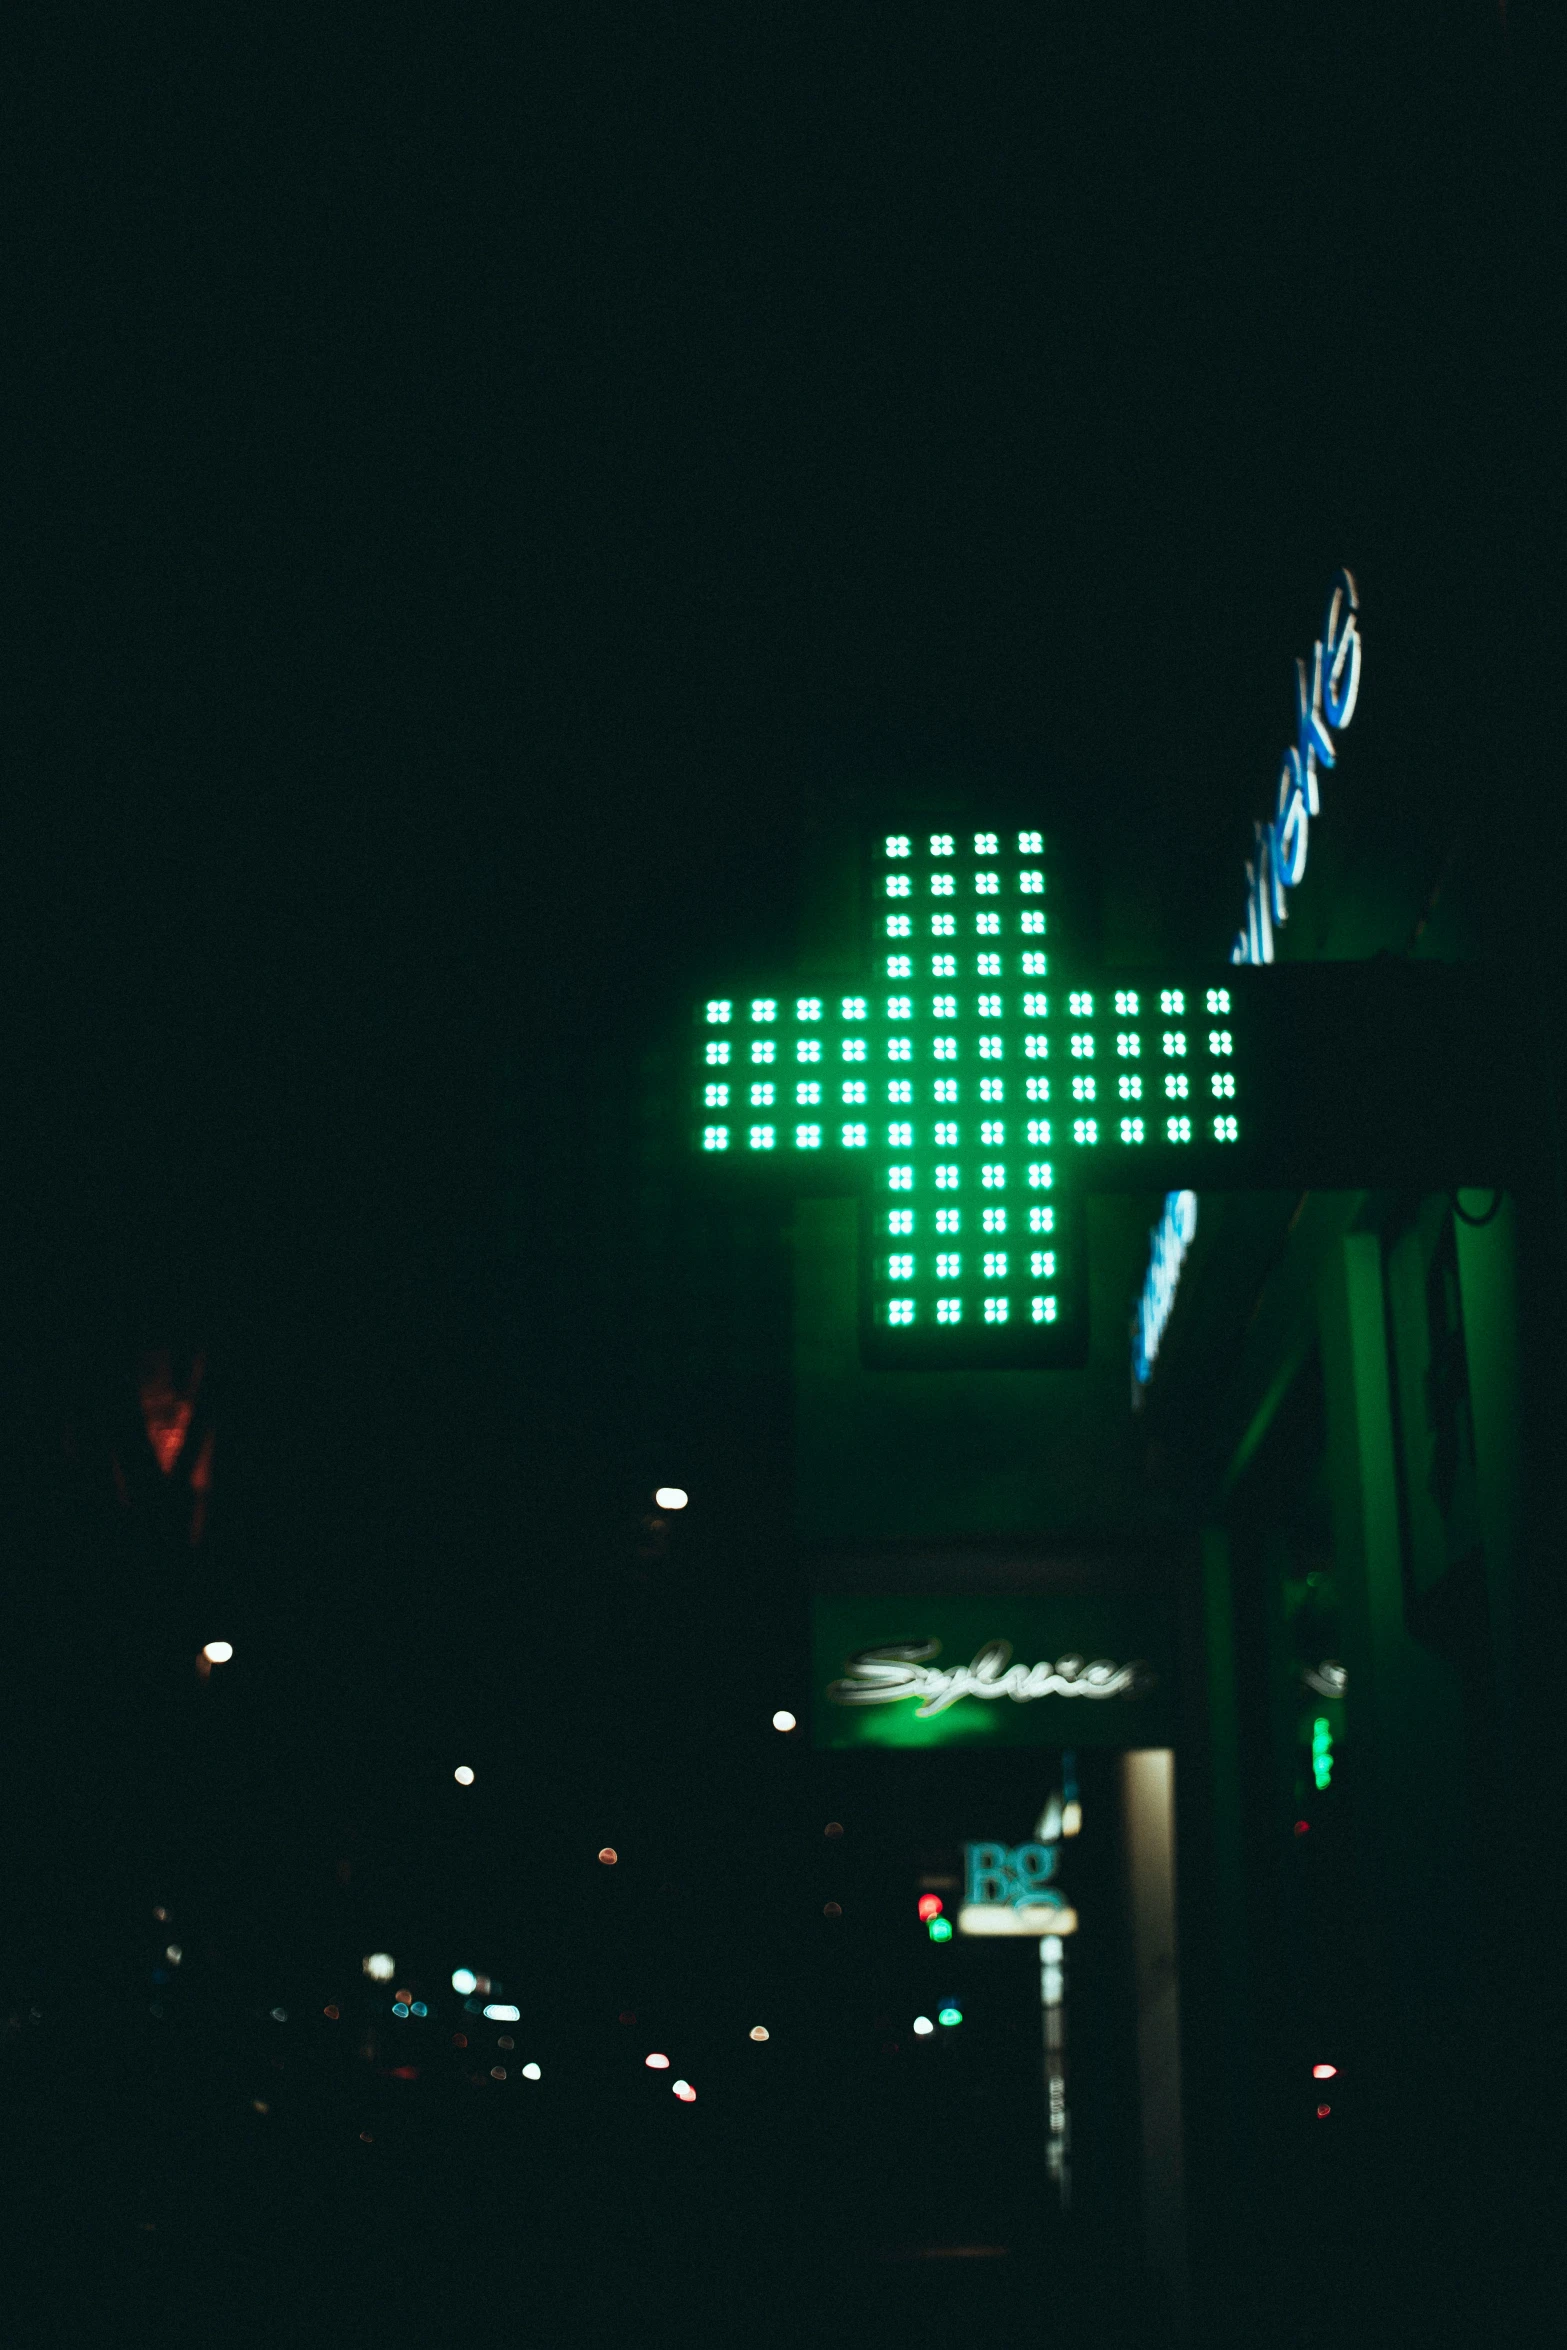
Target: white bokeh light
x,y
923,2025
671,1497
463,1775
783,1720
218,1652
533,2072
464,1980
380,1966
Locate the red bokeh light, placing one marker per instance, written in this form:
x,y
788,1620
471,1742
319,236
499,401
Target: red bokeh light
x,y
930,1905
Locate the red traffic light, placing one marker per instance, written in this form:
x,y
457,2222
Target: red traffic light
x,y
930,1906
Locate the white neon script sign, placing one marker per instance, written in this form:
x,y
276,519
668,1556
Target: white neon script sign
x,y
1326,699
881,1676
1172,1237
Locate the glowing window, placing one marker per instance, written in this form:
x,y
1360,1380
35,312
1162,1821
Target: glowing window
x,y
719,1014
949,1219
1039,1089
899,1089
1032,883
900,1007
807,1096
1041,1219
900,1310
1085,1130
901,1138
717,1055
1042,1264
996,1265
853,1137
764,1052
763,1096
946,1089
997,1309
1084,1089
1178,1129
990,1048
993,1133
1174,1041
1041,1177
1030,844
1043,1308
946,1136
762,1138
900,1268
715,1097
900,1178
1225,1130
900,1220
1035,965
988,925
941,844
987,885
993,1178
1177,1086
1039,1131
942,885
1218,999
899,1049
948,1268
897,844
943,925
715,1138
949,1309
898,926
946,1179
809,1048
1033,923
1222,1082
1220,1042
1131,1130
897,885
1130,1088
900,966
944,1007
1171,1000
946,1048
984,844
854,1048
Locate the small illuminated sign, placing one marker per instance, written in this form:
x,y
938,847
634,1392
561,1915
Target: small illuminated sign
x,y
1014,1671
1007,1890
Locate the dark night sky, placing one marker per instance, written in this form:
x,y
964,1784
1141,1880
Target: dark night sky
x,y
485,473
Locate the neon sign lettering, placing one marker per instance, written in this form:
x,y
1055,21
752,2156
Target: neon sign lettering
x,y
883,1676
1007,1890
1324,700
1172,1237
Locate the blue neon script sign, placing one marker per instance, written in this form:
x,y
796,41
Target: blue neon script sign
x,y
1324,699
1172,1237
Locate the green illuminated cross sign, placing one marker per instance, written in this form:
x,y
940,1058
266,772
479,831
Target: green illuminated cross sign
x,y
962,1090
971,1096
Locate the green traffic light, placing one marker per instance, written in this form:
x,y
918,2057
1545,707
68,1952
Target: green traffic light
x,y
949,2015
940,1930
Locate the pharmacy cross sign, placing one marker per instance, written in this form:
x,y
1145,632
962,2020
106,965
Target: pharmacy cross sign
x,y
972,1095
